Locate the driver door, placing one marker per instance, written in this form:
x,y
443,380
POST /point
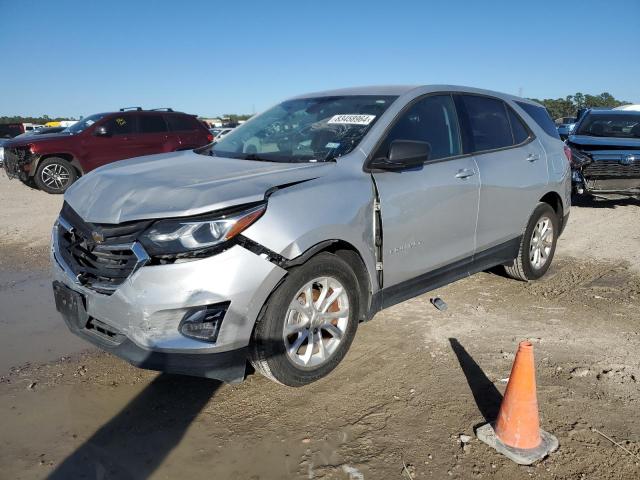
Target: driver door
x,y
116,145
428,214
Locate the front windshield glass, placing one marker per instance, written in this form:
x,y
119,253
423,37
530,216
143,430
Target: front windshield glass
x,y
85,123
614,125
305,130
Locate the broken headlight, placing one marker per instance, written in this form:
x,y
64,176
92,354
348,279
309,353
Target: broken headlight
x,y
578,157
196,234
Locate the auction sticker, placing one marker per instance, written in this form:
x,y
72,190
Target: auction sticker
x,y
352,119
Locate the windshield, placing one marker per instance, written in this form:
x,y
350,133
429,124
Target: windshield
x,y
84,123
305,130
614,125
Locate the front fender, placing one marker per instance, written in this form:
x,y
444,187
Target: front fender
x,y
327,209
72,159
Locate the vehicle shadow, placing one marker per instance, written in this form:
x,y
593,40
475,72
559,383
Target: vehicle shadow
x,y
593,202
485,393
135,442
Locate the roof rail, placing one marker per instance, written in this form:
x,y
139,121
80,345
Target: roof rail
x,y
138,109
164,109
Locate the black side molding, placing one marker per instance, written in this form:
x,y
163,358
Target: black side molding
x,y
394,294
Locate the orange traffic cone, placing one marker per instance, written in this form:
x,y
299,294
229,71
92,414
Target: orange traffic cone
x,y
516,433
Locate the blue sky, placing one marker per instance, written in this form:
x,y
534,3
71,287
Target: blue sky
x,y
73,58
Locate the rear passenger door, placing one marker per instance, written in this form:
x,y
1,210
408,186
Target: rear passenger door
x,y
153,134
512,166
186,131
428,214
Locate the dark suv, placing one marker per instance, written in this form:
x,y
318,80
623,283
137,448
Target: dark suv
x,y
605,153
54,162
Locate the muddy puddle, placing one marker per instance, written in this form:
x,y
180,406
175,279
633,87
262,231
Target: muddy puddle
x,y
32,330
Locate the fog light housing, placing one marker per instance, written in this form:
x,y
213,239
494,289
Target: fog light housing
x,y
203,323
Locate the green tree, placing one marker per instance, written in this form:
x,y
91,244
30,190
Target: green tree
x,y
568,106
40,120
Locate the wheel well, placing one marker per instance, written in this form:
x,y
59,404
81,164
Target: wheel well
x,y
350,254
554,201
69,158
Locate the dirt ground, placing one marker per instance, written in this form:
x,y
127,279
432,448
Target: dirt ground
x,y
414,380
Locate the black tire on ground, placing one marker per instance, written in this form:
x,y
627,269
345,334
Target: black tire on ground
x,y
267,349
522,267
55,175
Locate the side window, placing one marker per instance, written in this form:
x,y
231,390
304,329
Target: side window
x,y
120,125
520,132
541,117
181,123
152,124
433,120
489,124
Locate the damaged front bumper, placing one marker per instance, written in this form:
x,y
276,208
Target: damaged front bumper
x,y
140,321
606,174
18,162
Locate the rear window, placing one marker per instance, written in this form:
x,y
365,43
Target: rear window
x,y
520,132
152,124
490,128
541,117
180,123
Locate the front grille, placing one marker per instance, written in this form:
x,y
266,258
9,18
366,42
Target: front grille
x,y
14,160
100,256
612,169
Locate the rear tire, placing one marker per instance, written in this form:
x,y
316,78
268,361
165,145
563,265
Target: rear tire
x,y
538,245
55,175
301,337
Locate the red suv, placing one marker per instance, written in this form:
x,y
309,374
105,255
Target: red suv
x,y
53,162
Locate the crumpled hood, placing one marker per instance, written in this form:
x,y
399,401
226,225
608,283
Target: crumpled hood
x,y
34,139
179,184
588,142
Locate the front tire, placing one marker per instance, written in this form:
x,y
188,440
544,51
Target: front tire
x,y
308,323
55,175
538,245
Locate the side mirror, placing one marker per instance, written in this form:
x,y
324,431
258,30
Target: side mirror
x,y
102,131
403,155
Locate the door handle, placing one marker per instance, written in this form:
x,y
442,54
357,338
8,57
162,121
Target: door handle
x,y
464,173
532,157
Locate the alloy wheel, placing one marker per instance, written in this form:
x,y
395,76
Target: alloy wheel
x,y
316,322
55,176
541,242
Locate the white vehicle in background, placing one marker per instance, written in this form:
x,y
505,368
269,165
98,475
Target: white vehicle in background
x,y
218,133
30,127
632,108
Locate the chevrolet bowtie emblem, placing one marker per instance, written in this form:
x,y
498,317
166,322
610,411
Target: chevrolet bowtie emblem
x,y
97,237
627,159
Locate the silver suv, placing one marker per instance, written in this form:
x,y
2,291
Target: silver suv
x,y
270,246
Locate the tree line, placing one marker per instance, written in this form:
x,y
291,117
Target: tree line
x,y
38,120
568,106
